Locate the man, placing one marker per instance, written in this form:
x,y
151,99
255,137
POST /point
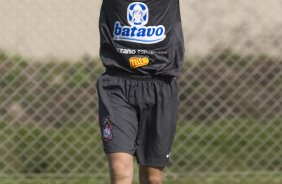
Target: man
x,y
142,50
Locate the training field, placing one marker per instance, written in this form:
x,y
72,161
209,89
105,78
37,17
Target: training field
x,y
176,173
185,180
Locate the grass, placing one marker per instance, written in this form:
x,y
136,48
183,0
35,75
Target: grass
x,y
248,179
223,146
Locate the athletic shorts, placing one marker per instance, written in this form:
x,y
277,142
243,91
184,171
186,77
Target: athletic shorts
x,y
137,115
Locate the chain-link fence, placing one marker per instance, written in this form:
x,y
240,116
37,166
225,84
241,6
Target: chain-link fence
x,y
229,126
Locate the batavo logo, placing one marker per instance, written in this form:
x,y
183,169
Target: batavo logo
x,y
136,62
138,32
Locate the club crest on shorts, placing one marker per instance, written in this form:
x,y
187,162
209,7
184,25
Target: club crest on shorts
x,y
107,130
138,32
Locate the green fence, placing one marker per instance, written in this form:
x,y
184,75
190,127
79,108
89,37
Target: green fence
x,y
229,128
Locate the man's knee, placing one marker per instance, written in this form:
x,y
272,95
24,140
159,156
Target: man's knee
x,y
152,180
121,167
120,170
151,175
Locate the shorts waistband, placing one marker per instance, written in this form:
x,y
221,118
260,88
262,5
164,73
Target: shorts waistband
x,y
136,76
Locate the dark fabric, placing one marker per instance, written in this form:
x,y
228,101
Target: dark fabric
x,y
138,116
157,36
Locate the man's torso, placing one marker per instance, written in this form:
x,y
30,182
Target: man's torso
x,y
141,37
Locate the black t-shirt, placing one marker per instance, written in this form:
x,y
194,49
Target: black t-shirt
x,y
142,36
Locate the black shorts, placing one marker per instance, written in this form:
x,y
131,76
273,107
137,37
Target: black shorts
x,y
137,115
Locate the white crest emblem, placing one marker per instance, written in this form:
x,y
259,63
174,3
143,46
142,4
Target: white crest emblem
x,y
137,14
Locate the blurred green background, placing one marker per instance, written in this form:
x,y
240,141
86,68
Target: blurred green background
x,y
229,128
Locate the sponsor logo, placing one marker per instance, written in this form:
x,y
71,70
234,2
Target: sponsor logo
x,y
138,32
168,155
126,51
137,14
107,130
136,62
140,51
